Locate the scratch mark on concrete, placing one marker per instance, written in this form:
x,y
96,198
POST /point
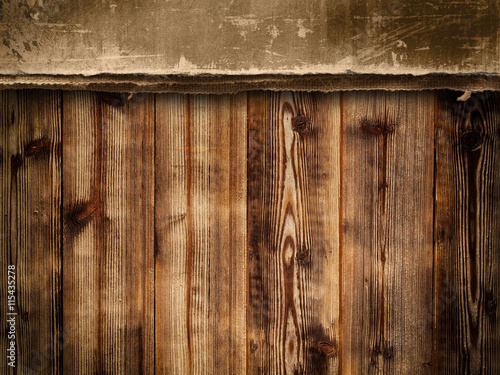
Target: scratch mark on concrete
x,y
245,24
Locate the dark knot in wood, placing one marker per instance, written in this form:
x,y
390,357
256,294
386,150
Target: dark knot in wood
x,y
253,346
326,348
471,140
302,255
114,99
15,163
388,354
377,126
37,146
300,124
78,216
491,307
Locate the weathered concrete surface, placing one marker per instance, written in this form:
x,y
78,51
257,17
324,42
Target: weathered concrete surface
x,y
248,36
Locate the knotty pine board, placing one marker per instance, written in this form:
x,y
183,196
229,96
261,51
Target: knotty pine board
x,y
265,232
386,220
293,195
467,239
31,226
108,233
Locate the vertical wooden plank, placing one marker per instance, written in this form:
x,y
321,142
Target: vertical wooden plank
x,y
172,346
467,235
387,224
293,195
200,225
30,220
108,198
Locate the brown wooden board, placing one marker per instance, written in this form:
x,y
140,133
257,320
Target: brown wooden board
x,y
108,208
293,174
387,226
467,235
31,232
200,226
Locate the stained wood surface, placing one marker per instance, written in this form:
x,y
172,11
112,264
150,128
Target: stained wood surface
x,y
387,227
338,233
31,231
108,233
467,235
293,306
200,225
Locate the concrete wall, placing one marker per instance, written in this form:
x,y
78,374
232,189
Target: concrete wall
x,y
248,36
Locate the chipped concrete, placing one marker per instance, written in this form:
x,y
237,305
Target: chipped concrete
x,y
303,31
248,36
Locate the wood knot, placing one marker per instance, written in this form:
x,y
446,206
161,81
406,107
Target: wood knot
x,y
37,146
253,346
427,364
114,99
302,255
387,353
79,216
377,126
491,307
471,140
300,124
326,348
15,163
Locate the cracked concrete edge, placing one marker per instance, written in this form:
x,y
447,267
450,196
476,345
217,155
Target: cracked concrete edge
x,y
232,84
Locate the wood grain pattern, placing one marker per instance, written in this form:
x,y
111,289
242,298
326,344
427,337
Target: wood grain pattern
x,y
387,212
31,180
467,235
108,192
293,170
200,234
267,232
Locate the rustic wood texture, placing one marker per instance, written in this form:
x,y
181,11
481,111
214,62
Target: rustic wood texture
x,y
293,193
31,232
387,226
200,226
108,207
467,235
266,232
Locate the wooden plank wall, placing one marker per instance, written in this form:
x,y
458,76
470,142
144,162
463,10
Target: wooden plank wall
x,y
282,233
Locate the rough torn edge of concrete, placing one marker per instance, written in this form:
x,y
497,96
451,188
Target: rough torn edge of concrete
x,y
232,84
